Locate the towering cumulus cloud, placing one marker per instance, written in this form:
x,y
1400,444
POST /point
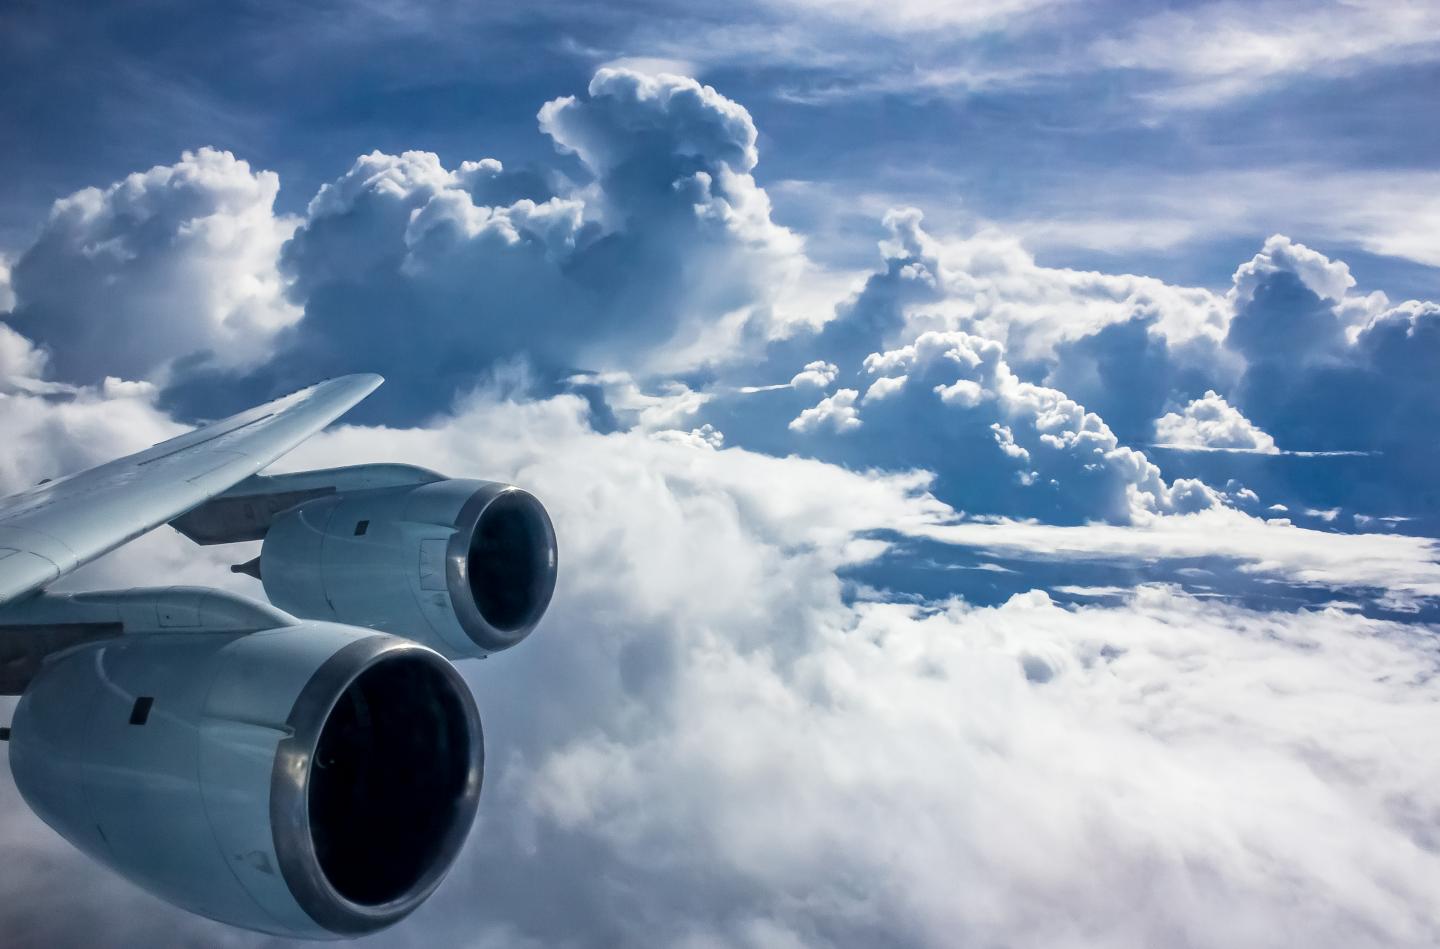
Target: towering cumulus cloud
x,y
667,259
1330,370
929,339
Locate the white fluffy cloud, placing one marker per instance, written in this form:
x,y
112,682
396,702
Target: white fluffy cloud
x,y
672,407
818,374
1007,776
1211,422
1122,345
1042,439
1328,369
178,261
836,413
73,431
21,364
1293,353
990,285
688,119
1328,279
667,259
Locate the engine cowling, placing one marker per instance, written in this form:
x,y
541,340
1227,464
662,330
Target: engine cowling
x,y
466,567
312,780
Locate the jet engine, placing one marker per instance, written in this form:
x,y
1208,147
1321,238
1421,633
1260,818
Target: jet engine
x,y
308,779
466,567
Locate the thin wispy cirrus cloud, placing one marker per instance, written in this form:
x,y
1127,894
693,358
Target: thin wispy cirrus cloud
x,y
965,588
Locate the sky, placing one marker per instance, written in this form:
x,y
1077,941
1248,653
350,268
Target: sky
x,y
992,446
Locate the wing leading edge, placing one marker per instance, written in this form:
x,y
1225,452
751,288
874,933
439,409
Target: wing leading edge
x,y
49,530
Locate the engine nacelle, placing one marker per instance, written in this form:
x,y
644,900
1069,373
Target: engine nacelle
x,y
467,567
311,780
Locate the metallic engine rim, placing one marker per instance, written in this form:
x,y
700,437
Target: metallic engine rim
x,y
290,790
457,569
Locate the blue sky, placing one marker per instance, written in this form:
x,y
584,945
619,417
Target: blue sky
x,y
992,444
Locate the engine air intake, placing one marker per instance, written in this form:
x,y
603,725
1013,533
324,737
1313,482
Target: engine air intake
x,y
375,791
389,780
509,564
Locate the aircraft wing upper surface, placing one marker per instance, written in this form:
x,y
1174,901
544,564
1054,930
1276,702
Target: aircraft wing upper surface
x,y
49,530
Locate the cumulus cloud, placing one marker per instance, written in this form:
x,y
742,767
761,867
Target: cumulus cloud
x,y
1289,304
818,374
1210,422
834,412
990,285
1331,371
21,363
1294,350
672,406
630,113
950,402
666,259
706,436
1122,345
1328,279
178,262
73,431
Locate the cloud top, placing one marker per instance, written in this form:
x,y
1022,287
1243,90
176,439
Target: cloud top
x,y
1210,422
172,263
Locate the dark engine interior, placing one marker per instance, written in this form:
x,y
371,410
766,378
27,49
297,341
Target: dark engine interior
x,y
389,774
511,570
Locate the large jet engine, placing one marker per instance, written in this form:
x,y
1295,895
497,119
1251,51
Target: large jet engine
x,y
467,567
296,777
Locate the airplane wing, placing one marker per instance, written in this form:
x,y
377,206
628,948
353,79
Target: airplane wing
x,y
49,530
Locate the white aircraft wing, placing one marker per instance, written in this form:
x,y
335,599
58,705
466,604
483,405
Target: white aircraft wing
x,y
49,530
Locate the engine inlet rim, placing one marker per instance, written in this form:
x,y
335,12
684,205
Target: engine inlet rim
x,y
294,836
460,561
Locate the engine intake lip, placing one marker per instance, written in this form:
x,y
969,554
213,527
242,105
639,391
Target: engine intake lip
x,y
501,565
322,893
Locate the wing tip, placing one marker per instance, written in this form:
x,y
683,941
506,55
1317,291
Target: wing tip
x,y
372,379
364,382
